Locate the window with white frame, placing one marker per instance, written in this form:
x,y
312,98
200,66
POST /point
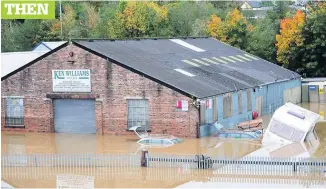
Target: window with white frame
x,y
14,111
138,113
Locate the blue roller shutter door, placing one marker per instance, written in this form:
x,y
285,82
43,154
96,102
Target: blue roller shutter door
x,y
74,116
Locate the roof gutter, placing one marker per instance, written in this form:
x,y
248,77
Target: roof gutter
x,y
278,81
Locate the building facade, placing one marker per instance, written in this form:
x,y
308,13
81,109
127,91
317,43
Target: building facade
x,y
165,86
114,92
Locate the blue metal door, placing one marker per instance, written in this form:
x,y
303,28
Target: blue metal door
x,y
74,116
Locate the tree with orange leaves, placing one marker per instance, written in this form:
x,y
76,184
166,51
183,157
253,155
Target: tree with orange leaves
x,y
216,28
232,31
290,36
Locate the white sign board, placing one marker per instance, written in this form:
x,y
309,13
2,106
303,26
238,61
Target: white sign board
x,y
75,181
71,80
184,105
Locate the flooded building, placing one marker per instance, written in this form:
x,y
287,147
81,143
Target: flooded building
x,y
174,86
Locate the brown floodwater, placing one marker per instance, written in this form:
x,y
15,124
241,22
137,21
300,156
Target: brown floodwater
x,y
136,177
57,143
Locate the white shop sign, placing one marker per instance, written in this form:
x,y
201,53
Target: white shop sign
x,y
75,181
71,80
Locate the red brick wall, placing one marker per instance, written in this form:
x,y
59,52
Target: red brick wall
x,y
112,85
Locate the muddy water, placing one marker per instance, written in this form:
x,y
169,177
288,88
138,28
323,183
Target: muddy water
x,y
51,143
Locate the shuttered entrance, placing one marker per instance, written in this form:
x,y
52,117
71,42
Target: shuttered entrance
x,y
74,116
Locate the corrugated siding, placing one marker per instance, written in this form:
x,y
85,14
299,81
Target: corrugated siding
x,y
249,102
240,102
215,110
304,93
227,105
272,97
209,113
202,113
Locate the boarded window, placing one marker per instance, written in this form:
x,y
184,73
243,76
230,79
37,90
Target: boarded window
x,y
240,102
249,108
202,113
215,112
14,112
227,105
138,113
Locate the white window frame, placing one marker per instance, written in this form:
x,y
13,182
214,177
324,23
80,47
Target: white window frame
x,y
131,119
11,114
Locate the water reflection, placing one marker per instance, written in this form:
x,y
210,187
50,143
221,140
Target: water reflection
x,y
320,131
119,177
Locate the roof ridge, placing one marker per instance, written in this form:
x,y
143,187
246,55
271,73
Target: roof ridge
x,y
137,38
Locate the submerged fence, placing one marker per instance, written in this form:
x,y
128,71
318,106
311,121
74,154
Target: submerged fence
x,y
186,162
75,160
124,174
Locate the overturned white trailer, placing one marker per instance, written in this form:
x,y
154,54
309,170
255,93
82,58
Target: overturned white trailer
x,y
290,123
290,133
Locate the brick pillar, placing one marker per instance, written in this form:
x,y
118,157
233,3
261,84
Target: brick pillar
x,y
99,116
49,114
3,112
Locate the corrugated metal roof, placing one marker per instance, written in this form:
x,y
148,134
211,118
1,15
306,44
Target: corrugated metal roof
x,y
218,69
48,45
12,61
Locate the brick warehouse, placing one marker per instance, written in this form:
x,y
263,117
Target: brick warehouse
x,y
171,86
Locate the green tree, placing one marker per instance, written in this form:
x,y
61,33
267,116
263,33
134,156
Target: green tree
x,y
183,15
88,22
280,10
107,12
228,5
18,36
261,41
199,28
310,57
68,24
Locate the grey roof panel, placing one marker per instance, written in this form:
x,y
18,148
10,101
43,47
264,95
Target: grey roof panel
x,y
159,58
254,4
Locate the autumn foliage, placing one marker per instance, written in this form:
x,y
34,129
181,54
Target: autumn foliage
x,y
290,35
280,35
216,28
232,30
